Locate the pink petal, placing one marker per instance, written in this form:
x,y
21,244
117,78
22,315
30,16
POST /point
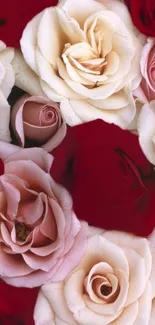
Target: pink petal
x,y
48,226
12,265
27,170
34,279
70,262
56,139
30,212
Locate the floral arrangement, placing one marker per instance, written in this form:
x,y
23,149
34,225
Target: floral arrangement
x,y
77,162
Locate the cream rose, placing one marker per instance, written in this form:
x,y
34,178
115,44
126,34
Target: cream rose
x,y
7,80
114,284
146,130
89,59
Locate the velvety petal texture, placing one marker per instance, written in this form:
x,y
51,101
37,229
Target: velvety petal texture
x,y
37,119
112,285
94,64
39,233
7,80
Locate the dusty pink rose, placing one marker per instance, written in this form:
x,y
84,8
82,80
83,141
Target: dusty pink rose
x,y
146,90
38,119
40,236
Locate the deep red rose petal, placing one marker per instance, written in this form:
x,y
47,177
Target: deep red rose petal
x,y
15,14
108,176
1,167
16,305
143,15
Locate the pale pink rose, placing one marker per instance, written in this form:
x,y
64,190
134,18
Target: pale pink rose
x,y
146,90
114,284
38,119
40,236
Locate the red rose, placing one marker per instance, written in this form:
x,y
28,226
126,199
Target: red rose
x,y
16,305
111,181
143,15
15,14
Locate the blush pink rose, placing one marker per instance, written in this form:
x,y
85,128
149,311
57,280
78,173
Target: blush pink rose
x,y
38,119
146,90
40,237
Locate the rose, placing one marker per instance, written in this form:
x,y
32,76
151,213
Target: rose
x,y
16,305
7,80
24,12
146,91
95,58
39,120
146,130
39,231
111,181
114,284
142,13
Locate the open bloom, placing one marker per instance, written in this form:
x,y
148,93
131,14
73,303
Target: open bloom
x,y
39,233
38,119
7,80
94,59
114,284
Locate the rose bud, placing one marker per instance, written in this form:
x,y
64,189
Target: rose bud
x,y
39,120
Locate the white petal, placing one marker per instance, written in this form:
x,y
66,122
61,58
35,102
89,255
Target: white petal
x,y
138,244
48,74
137,281
100,92
73,291
68,113
52,45
145,305
28,41
80,13
128,315
4,119
55,296
25,78
43,313
70,27
117,100
86,316
101,250
87,112
146,130
49,92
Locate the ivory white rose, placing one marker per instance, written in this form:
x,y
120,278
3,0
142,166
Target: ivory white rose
x,y
87,57
114,284
7,80
146,130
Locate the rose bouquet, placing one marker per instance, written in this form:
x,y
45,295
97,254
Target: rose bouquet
x,y
77,162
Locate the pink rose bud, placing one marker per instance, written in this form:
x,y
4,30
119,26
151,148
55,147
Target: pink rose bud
x,y
38,119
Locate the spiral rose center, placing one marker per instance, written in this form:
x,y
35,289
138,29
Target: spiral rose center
x,y
22,231
105,290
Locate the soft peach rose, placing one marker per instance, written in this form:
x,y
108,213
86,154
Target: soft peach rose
x,y
7,80
114,284
94,63
146,90
38,119
40,236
